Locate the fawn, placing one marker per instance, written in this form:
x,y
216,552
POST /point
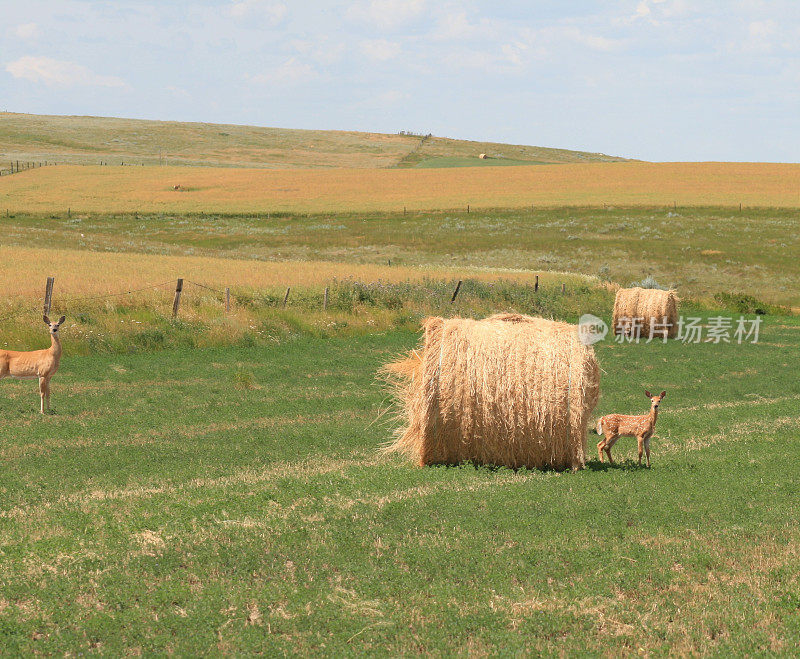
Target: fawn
x,y
41,364
614,426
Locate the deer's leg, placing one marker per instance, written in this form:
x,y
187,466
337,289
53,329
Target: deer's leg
x,y
44,394
640,441
609,441
647,450
600,447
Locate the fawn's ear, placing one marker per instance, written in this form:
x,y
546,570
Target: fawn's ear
x,y
647,393
663,393
46,320
62,319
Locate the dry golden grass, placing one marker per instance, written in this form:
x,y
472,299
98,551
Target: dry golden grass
x,y
150,189
89,140
23,271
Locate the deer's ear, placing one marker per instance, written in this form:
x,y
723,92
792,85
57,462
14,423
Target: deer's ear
x,y
62,319
647,393
46,320
663,393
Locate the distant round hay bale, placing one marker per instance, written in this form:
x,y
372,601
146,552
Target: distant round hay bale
x,y
482,156
649,309
509,390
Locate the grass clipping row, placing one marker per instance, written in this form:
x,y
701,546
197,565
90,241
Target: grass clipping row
x,y
646,311
509,390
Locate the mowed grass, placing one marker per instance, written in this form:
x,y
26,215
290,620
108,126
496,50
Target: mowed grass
x,y
699,251
233,500
152,189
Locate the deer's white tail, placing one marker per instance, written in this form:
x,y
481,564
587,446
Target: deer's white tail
x,y
599,429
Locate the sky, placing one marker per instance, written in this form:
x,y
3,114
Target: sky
x,y
664,80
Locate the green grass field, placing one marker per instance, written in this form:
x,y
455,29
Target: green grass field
x,y
213,484
699,251
233,500
465,161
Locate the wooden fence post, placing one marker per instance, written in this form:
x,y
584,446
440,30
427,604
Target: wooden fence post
x,y
467,208
325,299
455,292
286,297
176,302
227,299
536,284
563,288
48,296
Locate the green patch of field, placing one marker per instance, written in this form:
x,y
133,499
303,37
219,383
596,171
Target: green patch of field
x,y
456,161
699,251
232,500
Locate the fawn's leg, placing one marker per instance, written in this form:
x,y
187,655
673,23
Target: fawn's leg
x,y
600,447
647,450
610,440
640,441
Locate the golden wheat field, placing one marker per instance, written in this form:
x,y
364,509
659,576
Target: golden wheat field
x,y
153,189
23,272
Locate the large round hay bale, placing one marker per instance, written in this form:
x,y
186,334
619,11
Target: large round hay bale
x,y
647,309
508,390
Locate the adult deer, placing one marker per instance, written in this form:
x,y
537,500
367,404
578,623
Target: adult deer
x,y
614,426
41,364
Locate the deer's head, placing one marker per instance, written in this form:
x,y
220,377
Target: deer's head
x,y
53,326
655,400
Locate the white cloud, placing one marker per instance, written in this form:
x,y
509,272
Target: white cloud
x,y
592,41
654,11
58,73
456,26
322,51
766,37
380,49
387,14
514,52
291,71
760,36
509,58
274,13
27,31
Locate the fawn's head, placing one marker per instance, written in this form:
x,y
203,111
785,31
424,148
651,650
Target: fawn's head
x,y
655,401
53,326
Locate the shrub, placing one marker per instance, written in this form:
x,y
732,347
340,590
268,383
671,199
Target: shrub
x,y
649,282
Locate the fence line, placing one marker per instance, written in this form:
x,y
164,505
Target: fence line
x,y
226,295
49,298
15,166
210,288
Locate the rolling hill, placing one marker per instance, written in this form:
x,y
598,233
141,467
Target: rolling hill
x,y
95,140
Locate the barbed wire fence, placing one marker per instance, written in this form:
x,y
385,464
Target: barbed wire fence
x,y
224,293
